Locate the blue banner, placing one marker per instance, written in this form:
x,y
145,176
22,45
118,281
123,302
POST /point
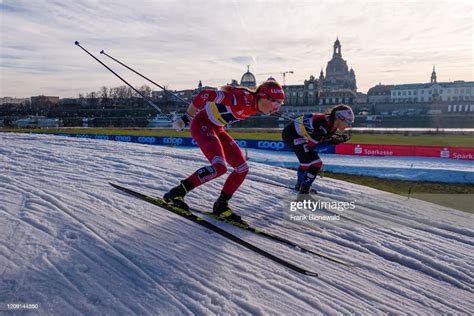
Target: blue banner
x,y
273,145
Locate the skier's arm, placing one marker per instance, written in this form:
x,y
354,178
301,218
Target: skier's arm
x,y
198,103
191,111
319,133
311,143
185,119
205,96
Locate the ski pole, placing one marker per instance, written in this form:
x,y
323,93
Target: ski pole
x,y
150,102
283,116
156,84
129,68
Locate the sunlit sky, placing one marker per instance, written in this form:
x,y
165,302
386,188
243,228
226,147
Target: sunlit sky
x,y
178,43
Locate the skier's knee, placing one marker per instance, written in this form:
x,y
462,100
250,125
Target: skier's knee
x,y
242,169
220,169
211,172
316,164
216,169
218,163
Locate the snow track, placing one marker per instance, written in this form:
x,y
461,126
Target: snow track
x,y
73,244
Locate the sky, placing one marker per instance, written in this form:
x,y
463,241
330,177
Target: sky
x,y
178,43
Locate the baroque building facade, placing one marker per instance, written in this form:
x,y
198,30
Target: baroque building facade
x,y
379,94
339,85
305,94
338,74
433,91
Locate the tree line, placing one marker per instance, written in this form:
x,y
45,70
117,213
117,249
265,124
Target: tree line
x,y
121,92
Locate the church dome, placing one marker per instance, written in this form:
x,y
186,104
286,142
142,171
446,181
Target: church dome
x,y
338,74
248,79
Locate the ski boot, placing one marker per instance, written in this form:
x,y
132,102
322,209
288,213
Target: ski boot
x,y
176,195
304,189
297,185
303,194
222,210
307,180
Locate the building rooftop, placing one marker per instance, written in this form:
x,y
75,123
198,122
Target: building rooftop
x,y
380,88
459,83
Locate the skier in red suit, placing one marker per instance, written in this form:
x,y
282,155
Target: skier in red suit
x,y
208,114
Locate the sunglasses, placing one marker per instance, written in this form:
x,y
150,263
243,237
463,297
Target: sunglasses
x,y
276,105
349,123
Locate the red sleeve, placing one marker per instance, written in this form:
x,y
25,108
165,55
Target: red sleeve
x,y
205,96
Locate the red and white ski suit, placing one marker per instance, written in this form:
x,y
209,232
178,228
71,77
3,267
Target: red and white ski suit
x,y
216,110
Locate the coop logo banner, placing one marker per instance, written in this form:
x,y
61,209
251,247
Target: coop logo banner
x,y
242,143
173,141
146,139
84,136
122,138
264,144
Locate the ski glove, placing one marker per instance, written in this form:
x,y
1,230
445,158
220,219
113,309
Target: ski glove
x,y
182,122
338,139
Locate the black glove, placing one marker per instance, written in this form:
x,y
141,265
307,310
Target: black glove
x,y
182,122
335,139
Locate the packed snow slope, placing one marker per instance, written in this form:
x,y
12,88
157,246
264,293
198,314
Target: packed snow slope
x,y
74,245
441,170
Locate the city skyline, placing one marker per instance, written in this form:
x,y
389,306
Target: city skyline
x,y
390,42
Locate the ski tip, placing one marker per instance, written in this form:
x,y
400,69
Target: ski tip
x,y
313,274
115,185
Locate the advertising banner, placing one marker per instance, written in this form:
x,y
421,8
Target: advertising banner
x,y
343,149
403,150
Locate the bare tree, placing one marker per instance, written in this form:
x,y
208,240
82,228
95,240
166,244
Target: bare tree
x,y
103,92
145,90
92,95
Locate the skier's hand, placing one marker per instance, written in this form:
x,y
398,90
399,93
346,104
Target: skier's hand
x,y
309,147
338,138
182,122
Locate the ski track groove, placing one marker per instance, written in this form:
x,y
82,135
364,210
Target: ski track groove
x,y
413,264
228,255
62,276
31,223
413,261
389,215
59,206
186,274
